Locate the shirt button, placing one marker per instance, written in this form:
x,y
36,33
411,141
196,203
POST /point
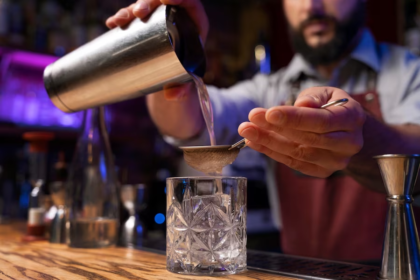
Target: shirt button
x,y
369,97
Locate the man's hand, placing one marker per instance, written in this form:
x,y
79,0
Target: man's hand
x,y
314,141
143,8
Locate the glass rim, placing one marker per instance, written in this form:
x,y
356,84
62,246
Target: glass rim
x,y
208,177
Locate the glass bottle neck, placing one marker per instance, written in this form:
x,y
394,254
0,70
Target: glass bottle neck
x,y
37,166
95,136
94,119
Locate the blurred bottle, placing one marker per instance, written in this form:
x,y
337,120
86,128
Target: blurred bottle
x,y
57,186
17,23
4,18
23,182
2,217
36,225
38,148
58,194
263,55
58,180
91,200
8,170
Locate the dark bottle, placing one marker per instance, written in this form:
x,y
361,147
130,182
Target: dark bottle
x,y
58,181
38,148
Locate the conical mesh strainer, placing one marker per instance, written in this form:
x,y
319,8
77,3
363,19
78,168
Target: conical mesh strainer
x,y
209,159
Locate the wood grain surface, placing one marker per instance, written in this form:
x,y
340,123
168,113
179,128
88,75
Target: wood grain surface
x,y
42,260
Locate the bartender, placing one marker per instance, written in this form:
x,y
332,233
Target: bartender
x,y
320,168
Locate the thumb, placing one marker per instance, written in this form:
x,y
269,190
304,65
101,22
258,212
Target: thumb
x,y
310,101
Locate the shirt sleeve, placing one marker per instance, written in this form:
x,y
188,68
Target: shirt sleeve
x,y
404,98
231,107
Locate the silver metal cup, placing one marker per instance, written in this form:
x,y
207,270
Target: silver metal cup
x,y
401,251
132,232
58,224
141,58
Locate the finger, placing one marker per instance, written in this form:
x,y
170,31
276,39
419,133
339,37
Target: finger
x,y
301,166
340,141
306,119
280,144
144,8
110,23
315,97
336,118
257,116
124,16
197,13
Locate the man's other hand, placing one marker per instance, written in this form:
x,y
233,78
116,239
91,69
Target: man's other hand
x,y
314,141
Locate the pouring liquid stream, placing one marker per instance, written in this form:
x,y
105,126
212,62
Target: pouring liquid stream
x,y
207,111
206,108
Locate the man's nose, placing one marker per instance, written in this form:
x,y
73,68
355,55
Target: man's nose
x,y
313,6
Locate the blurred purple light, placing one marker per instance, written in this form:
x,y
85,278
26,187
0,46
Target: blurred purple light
x,y
23,98
30,59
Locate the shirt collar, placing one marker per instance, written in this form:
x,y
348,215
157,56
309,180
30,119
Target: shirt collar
x,y
364,52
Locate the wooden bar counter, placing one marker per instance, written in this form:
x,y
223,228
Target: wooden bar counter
x,y
42,260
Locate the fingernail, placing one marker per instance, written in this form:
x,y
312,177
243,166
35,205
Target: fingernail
x,y
141,7
306,99
122,14
275,117
312,98
250,134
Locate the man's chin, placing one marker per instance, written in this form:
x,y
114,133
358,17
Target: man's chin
x,y
318,41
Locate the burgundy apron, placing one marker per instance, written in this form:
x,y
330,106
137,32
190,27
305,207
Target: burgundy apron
x,y
334,218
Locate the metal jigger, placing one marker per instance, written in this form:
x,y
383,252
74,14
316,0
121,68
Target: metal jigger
x,y
132,230
401,251
58,224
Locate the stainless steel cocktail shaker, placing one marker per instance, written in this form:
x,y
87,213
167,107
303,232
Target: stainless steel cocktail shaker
x,y
124,63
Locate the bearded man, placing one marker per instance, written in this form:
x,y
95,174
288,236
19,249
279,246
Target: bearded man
x,y
320,167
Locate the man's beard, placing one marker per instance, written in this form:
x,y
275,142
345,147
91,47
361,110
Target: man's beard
x,y
330,52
